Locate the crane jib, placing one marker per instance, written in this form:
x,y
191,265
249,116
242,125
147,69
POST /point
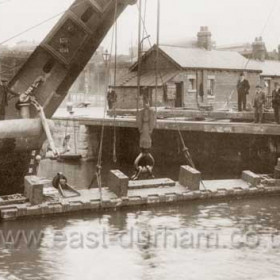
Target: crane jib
x,y
65,51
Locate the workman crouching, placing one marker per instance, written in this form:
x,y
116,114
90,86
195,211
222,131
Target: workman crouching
x,y
60,183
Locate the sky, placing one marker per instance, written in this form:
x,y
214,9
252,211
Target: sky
x,y
230,21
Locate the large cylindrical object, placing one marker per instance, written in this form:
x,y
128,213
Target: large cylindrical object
x,y
24,133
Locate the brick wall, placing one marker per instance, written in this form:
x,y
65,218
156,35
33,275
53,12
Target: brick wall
x,y
127,98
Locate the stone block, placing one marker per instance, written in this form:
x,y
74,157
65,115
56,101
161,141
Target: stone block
x,y
151,183
76,205
189,177
251,178
170,197
33,189
153,199
136,200
118,183
9,214
33,211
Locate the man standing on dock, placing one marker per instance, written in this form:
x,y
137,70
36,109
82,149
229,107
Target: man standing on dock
x,y
259,101
243,87
111,97
276,102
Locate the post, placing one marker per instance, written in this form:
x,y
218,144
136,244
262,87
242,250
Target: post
x,y
139,54
157,52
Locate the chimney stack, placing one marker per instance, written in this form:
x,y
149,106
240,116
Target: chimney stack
x,y
259,49
204,38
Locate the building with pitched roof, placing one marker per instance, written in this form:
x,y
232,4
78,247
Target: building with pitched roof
x,y
187,76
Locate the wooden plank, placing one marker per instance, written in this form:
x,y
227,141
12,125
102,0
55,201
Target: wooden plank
x,y
152,183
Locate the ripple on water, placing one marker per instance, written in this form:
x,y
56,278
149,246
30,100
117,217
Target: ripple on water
x,y
172,256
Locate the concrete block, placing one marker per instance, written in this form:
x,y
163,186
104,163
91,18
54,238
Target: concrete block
x,y
221,193
95,203
22,210
33,211
65,206
251,178
171,197
151,183
188,195
118,183
253,190
107,203
76,205
196,194
9,214
189,177
56,207
33,189
153,199
136,200
116,202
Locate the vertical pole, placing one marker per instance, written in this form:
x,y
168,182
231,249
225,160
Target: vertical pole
x,y
139,54
115,83
116,52
157,51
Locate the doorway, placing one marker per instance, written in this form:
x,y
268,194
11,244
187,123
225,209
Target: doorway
x,y
179,94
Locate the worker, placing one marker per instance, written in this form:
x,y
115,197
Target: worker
x,y
65,145
4,91
243,87
60,182
276,102
111,97
144,163
259,101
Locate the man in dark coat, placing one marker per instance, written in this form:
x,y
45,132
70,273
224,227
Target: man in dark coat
x,y
111,97
276,102
243,87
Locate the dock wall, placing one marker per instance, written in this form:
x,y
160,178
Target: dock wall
x,y
213,153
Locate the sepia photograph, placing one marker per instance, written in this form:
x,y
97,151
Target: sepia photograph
x,y
139,139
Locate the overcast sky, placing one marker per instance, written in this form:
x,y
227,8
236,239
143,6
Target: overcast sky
x,y
230,21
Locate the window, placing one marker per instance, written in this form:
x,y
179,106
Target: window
x,y
211,87
192,85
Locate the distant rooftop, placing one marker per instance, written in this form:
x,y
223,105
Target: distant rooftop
x,y
268,67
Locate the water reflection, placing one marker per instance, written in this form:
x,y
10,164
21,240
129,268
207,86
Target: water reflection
x,y
157,243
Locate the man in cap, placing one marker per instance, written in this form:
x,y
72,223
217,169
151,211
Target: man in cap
x,y
4,91
111,97
243,87
259,101
276,102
